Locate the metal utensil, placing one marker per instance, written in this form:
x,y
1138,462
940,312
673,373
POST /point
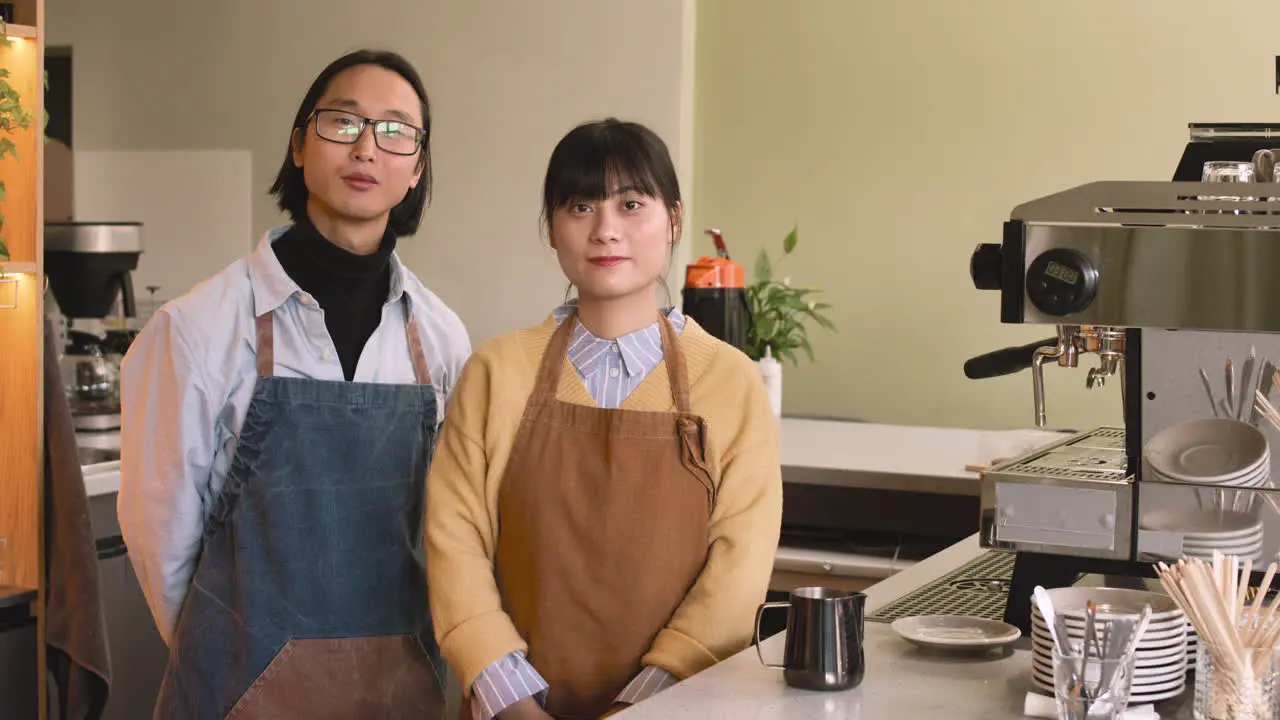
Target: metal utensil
x,y
1208,389
1090,626
1246,385
1266,381
1231,387
1045,605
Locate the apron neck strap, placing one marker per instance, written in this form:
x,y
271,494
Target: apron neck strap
x,y
548,381
265,327
677,370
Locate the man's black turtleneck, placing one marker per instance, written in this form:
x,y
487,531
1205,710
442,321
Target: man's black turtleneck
x,y
350,288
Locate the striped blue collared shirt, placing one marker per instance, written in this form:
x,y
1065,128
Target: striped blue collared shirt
x,y
611,370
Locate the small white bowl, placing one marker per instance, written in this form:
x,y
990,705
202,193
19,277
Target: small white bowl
x,y
1207,450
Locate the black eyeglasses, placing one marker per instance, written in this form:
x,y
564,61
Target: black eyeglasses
x,y
393,136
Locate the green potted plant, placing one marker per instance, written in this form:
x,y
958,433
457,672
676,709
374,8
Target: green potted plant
x,y
781,313
13,117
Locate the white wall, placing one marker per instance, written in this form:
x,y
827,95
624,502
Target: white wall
x,y
190,203
507,79
901,134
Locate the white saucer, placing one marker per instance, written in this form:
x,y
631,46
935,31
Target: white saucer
x,y
955,632
1193,521
1207,450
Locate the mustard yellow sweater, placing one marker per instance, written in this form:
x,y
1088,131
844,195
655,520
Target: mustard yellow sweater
x,y
717,616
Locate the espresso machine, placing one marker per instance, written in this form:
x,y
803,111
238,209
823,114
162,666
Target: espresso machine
x,y
89,266
1170,289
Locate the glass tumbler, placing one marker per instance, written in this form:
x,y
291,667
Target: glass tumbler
x,y
1091,689
1227,171
1222,694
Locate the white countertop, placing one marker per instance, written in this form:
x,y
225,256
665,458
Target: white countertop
x,y
901,682
897,457
822,452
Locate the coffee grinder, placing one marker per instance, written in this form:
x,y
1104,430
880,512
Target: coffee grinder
x,y
89,266
715,295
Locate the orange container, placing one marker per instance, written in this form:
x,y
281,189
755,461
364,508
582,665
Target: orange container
x,y
714,272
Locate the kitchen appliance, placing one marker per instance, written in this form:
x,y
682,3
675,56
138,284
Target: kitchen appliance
x,y
1172,286
138,653
89,266
715,295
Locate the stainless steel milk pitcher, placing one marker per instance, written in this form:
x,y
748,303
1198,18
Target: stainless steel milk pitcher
x,y
824,638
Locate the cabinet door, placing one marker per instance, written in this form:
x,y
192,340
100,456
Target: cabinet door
x,y
18,663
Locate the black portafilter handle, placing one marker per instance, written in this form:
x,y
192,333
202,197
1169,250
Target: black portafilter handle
x,y
1005,361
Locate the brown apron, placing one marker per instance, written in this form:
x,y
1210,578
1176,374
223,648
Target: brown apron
x,y
603,519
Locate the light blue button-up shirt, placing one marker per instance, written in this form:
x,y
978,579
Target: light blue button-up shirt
x,y
185,387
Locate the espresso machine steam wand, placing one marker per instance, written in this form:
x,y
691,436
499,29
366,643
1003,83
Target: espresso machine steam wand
x,y
1107,342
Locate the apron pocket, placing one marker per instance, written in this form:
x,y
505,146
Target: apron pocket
x,y
388,676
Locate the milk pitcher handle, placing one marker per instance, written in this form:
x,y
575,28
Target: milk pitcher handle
x,y
759,616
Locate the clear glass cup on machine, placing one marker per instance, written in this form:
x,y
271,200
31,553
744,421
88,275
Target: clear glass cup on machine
x,y
1227,171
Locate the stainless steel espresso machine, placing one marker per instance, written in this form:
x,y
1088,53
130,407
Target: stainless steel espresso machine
x,y
89,266
1174,287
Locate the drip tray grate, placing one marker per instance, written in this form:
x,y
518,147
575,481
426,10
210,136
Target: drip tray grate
x,y
978,588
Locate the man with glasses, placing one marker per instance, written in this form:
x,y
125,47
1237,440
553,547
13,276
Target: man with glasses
x,y
278,422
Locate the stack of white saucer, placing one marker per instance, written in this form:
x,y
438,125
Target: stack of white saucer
x,y
1161,665
1228,455
1205,532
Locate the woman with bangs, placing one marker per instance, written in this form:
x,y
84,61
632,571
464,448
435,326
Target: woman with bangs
x,y
605,502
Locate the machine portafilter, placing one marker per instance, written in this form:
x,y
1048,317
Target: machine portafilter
x,y
1071,342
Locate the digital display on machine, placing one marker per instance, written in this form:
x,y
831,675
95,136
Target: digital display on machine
x,y
1066,274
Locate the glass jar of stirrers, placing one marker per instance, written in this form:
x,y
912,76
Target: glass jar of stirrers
x,y
1249,692
1238,658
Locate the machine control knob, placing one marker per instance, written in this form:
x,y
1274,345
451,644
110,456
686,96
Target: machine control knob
x,y
986,266
1062,282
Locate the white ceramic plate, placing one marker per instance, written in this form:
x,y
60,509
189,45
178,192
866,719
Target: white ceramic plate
x,y
1194,521
1212,540
1253,479
1207,450
1142,693
1149,642
1256,477
1142,658
1070,601
1154,679
955,632
1168,629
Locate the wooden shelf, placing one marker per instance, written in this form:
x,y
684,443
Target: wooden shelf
x,y
14,30
22,330
17,268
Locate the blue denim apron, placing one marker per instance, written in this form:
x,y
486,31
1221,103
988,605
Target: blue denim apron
x,y
310,596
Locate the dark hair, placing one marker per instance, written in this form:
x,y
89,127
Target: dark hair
x,y
595,153
290,187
